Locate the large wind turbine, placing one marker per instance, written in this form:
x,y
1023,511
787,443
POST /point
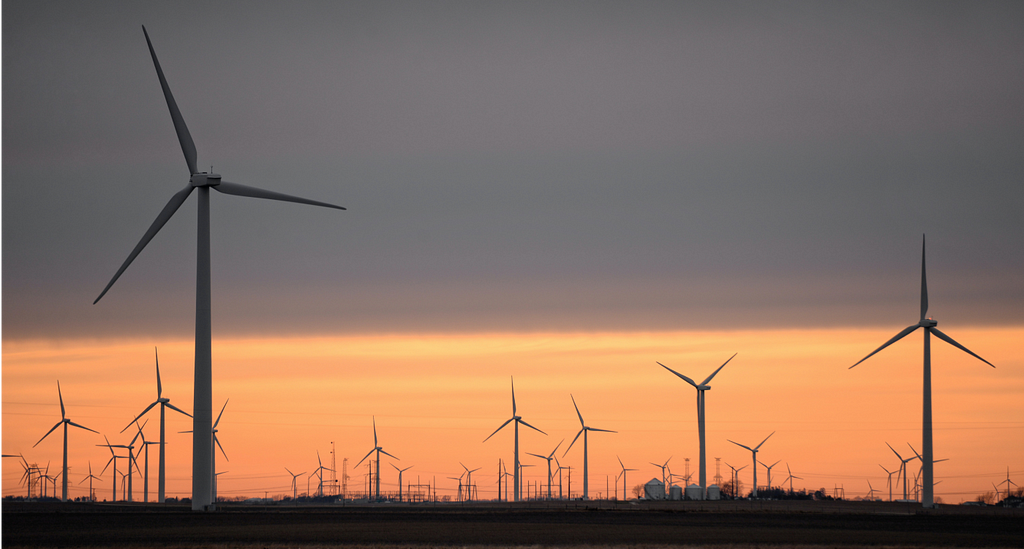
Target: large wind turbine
x,y
202,445
164,403
926,425
65,422
583,431
379,450
754,452
703,386
515,478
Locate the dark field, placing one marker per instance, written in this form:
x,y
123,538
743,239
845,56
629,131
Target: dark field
x,y
739,524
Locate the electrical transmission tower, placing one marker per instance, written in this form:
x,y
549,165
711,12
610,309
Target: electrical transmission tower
x,y
718,471
344,478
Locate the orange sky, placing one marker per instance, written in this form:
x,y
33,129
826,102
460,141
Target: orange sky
x,y
437,396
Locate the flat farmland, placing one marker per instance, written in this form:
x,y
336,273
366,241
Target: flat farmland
x,y
593,524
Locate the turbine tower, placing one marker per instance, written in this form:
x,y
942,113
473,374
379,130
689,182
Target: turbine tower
x,y
701,388
202,444
516,487
583,431
65,422
927,499
754,452
379,450
164,403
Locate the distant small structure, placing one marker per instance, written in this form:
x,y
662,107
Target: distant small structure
x,y
675,493
714,492
654,489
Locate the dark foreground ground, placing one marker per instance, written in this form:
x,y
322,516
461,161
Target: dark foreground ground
x,y
742,524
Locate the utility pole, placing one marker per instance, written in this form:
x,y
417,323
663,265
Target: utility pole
x,y
344,479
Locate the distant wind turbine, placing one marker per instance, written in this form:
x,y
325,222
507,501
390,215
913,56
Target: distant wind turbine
x,y
202,445
903,469
469,481
583,431
517,487
754,452
769,468
89,478
164,403
145,446
295,488
663,466
701,388
1007,482
625,496
929,325
400,471
379,450
736,478
888,481
548,458
65,422
113,459
791,477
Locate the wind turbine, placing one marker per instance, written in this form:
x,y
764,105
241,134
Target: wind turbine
x,y
929,326
871,491
769,468
662,467
1007,482
516,488
113,459
791,477
583,431
458,497
701,388
548,458
400,471
213,457
164,403
469,481
903,468
65,422
888,481
202,445
319,472
624,495
295,488
379,450
754,452
736,478
145,445
89,478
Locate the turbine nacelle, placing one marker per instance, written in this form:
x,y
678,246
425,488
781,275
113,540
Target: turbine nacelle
x,y
928,323
204,179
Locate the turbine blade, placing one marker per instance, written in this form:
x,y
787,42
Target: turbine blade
x,y
949,340
52,429
184,138
513,395
499,428
742,446
109,461
217,440
713,374
577,411
620,462
765,440
159,388
895,338
894,451
924,284
215,423
172,206
148,408
684,378
364,457
556,448
237,189
289,472
61,397
175,408
82,427
375,432
573,442
532,427
532,454
387,454
604,431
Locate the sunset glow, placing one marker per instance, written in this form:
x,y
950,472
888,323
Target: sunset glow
x,y
437,396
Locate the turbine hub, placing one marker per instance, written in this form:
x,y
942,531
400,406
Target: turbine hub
x,y
204,179
928,323
163,400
